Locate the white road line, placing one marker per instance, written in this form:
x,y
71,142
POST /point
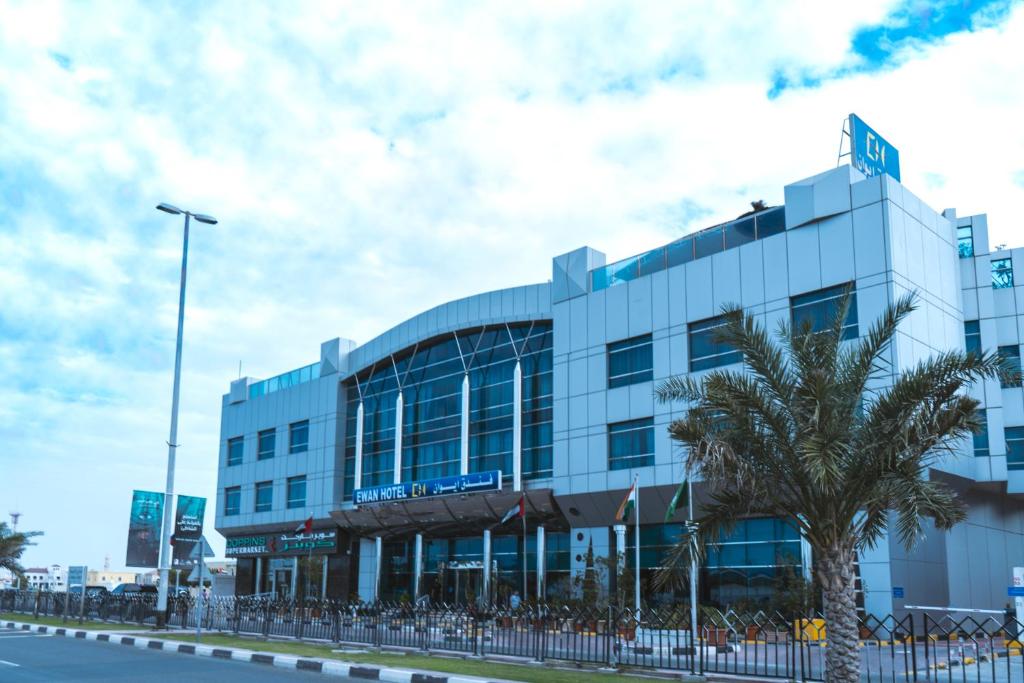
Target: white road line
x,y
4,636
5,662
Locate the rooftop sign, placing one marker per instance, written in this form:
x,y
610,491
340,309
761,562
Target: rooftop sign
x,y
430,488
872,154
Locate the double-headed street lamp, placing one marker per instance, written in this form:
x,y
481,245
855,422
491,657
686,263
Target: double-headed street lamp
x,y
172,443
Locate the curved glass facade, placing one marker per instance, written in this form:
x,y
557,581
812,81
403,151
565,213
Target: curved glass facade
x,y
431,378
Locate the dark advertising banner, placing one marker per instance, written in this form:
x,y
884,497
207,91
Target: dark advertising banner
x,y
188,527
144,529
430,488
315,543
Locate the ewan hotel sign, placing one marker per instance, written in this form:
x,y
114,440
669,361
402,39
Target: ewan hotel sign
x,y
316,542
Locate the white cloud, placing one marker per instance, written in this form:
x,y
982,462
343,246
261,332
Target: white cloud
x,y
369,161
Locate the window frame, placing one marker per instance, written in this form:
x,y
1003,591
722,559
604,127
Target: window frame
x,y
630,348
292,428
294,503
1011,353
965,241
827,295
260,437
1014,439
633,460
980,440
258,488
1004,279
235,441
708,326
237,509
972,336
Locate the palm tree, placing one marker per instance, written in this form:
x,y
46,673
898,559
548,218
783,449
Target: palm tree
x,y
12,546
823,434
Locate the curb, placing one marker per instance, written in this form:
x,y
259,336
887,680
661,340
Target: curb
x,y
324,666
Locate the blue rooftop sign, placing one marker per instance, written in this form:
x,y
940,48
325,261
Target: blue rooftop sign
x,y
872,154
429,488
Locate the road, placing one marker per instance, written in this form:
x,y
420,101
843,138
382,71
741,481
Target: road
x,y
40,657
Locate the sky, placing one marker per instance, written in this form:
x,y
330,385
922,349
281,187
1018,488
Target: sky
x,y
370,160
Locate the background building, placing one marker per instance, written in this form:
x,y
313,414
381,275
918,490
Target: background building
x,y
552,384
110,579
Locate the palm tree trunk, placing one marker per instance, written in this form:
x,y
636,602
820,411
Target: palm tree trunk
x,y
835,571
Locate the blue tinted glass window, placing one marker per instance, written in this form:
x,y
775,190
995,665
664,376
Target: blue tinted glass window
x,y
740,232
981,436
296,492
819,309
651,262
264,496
351,412
706,351
380,396
1014,448
965,241
298,437
537,402
235,449
771,222
267,441
1002,273
708,242
631,444
972,336
1010,356
679,252
232,501
432,412
630,361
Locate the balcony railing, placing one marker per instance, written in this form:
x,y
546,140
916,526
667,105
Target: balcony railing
x,y
288,379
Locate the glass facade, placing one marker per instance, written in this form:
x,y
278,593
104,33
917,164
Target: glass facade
x,y
630,361
1014,448
706,351
698,245
235,449
631,444
972,336
981,436
965,241
296,492
432,377
298,437
288,379
232,501
1002,273
266,442
819,309
1010,355
264,496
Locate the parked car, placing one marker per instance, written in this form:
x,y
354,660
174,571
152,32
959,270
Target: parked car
x,y
133,589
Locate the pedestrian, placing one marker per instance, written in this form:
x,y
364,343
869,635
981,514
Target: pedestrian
x,y
515,600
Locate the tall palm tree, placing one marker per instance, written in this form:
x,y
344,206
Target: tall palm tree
x,y
12,546
818,432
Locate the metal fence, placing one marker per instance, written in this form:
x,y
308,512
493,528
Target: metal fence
x,y
908,648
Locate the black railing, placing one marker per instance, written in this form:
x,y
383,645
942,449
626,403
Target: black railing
x,y
907,648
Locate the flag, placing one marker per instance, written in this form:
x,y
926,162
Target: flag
x,y
517,510
681,498
305,527
627,505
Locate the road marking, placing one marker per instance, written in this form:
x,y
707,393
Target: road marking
x,y
4,661
5,636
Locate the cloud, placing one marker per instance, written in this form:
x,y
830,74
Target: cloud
x,y
368,162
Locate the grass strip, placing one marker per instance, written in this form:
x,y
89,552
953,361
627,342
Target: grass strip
x,y
71,624
452,665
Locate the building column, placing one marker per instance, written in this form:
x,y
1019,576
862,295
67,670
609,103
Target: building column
x,y
258,588
487,567
417,568
517,428
323,578
295,577
464,428
541,577
378,554
398,438
358,482
620,553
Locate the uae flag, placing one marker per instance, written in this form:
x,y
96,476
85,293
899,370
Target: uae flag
x,y
517,510
628,505
305,527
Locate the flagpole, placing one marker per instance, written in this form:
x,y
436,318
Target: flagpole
x,y
636,579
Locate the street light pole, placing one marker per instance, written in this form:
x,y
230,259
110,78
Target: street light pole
x,y
166,551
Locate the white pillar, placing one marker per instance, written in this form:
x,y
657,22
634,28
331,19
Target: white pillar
x,y
417,568
258,588
487,567
517,428
464,428
620,552
358,483
295,577
540,564
323,578
378,556
398,438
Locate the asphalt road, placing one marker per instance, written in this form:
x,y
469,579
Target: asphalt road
x,y
40,657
